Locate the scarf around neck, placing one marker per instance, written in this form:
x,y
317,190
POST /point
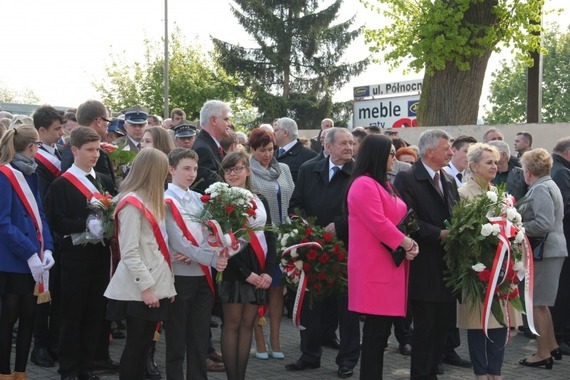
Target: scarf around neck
x,y
270,174
25,164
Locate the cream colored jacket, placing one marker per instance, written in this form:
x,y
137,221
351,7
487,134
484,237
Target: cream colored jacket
x,y
142,265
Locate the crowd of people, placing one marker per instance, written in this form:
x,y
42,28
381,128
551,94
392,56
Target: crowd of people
x,y
70,272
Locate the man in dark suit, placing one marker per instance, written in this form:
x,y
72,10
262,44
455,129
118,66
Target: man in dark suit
x,y
561,310
317,142
431,193
92,114
291,151
215,122
319,192
135,123
48,122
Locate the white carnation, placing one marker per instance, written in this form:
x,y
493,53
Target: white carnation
x,y
294,253
299,264
492,196
518,266
496,229
478,267
486,229
520,236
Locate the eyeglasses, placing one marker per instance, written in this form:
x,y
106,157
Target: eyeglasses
x,y
105,119
38,143
235,169
392,153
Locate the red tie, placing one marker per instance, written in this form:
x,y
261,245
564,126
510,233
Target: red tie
x,y
437,183
221,151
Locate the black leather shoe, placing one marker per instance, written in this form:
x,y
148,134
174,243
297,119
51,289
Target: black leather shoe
x,y
333,343
452,358
547,363
440,370
344,372
87,375
405,349
556,354
106,365
301,365
41,357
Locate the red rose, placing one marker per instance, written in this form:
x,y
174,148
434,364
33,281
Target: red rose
x,y
513,294
320,243
312,254
336,249
324,258
305,240
253,205
327,237
250,212
322,276
484,275
229,209
205,198
306,267
308,231
341,257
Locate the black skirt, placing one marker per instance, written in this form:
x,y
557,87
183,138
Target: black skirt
x,y
120,310
20,284
241,292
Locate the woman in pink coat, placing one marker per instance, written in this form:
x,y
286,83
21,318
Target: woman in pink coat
x,y
377,287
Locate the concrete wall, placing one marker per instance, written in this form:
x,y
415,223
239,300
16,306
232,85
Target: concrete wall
x,y
543,135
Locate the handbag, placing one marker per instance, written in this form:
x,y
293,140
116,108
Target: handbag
x,y
537,245
408,225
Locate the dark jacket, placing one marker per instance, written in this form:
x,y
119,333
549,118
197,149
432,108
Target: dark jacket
x,y
103,165
315,196
209,160
295,157
561,176
417,189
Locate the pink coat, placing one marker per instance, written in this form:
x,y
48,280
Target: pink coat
x,y
375,285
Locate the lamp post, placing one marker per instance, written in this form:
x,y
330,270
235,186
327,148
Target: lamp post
x,y
166,63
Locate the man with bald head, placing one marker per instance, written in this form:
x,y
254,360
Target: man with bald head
x,y
317,142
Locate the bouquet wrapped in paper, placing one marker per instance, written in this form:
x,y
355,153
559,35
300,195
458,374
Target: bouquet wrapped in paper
x,y
100,225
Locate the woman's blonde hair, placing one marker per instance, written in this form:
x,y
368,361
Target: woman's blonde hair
x,y
538,162
16,140
146,178
161,139
476,151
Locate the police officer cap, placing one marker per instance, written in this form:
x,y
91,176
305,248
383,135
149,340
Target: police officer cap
x,y
184,129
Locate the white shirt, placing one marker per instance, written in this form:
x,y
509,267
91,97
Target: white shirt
x,y
453,171
331,171
288,146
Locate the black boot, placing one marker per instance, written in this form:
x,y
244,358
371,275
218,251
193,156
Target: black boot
x,y
152,371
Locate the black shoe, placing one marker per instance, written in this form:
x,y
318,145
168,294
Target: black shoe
x,y
152,371
547,363
440,370
106,365
564,349
41,357
87,375
556,354
405,349
344,372
301,365
333,343
452,358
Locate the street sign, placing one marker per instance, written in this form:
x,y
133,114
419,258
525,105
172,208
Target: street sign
x,y
388,89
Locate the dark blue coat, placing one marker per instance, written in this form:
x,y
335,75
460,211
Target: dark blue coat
x,y
18,238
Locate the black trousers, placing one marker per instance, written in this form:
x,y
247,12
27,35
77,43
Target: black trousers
x,y
403,328
84,278
47,324
187,330
432,320
349,329
561,309
375,334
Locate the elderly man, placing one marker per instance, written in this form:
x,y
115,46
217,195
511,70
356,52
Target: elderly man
x,y
432,193
319,192
493,134
291,151
507,172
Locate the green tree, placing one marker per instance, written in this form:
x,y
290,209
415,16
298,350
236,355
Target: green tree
x,y
452,41
298,62
193,78
508,87
26,96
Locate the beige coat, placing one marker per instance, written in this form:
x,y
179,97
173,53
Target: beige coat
x,y
142,265
468,318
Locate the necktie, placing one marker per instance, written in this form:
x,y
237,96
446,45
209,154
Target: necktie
x,y
437,183
281,152
459,177
335,170
139,146
221,150
91,179
57,154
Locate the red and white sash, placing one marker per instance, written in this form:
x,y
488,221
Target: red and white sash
x,y
27,198
177,215
82,183
158,235
51,162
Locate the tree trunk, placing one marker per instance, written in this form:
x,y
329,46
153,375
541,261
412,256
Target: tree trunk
x,y
451,96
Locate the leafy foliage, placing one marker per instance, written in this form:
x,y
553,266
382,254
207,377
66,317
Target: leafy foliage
x,y
298,60
508,87
193,78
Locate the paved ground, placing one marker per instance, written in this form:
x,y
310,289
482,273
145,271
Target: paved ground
x,y
396,366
